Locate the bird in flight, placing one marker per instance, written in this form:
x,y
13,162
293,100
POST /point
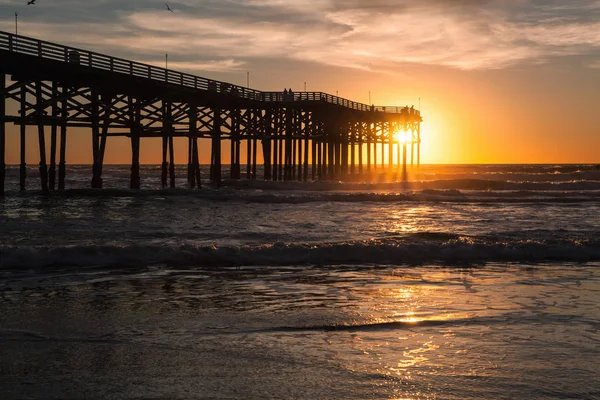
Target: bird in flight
x,y
168,8
31,2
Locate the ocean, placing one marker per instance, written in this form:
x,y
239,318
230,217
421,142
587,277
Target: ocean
x,y
452,282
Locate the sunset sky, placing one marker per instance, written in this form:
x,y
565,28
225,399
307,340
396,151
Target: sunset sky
x,y
512,81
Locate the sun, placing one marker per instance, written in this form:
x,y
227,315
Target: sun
x,y
402,136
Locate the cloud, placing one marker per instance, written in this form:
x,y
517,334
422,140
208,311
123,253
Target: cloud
x,y
376,34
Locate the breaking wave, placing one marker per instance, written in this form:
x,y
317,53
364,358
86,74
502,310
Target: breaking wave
x,y
415,249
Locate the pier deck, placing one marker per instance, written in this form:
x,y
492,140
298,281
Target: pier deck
x,y
300,135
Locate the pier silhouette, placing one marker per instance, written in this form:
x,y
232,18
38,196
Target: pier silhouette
x,y
301,135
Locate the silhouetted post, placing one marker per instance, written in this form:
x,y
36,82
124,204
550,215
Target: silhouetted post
x,y
41,137
330,154
172,161
275,174
368,153
383,146
293,145
98,139
299,156
190,163
375,161
254,153
412,146
316,162
338,151
95,135
324,160
306,149
267,141
360,148
62,165
193,157
320,157
352,148
232,156
216,148
53,138
281,153
238,158
2,133
196,162
23,127
266,147
168,131
288,145
135,117
106,102
248,156
390,146
403,159
235,170
165,165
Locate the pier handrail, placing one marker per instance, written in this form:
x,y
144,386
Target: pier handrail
x,y
73,55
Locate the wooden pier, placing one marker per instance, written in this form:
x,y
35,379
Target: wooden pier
x,y
301,135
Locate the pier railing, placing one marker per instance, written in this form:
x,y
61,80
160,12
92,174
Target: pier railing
x,y
72,55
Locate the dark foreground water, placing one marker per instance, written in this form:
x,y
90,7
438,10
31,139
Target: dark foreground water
x,y
466,283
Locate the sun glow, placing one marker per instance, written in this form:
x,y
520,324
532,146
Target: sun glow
x,y
403,137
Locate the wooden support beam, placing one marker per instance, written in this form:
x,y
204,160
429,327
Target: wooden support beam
x,y
248,158
216,148
404,161
390,146
164,171
382,147
288,144
53,138
194,174
330,155
168,130
196,162
238,162
412,146
254,154
316,159
266,148
41,138
360,148
135,116
352,148
267,144
369,139
23,128
306,157
275,174
294,155
171,163
95,116
280,159
2,133
299,159
62,166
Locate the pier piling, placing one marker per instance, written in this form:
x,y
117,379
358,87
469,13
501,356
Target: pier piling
x,y
2,134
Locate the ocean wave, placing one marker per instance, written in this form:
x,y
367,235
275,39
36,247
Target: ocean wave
x,y
290,193
470,184
416,249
